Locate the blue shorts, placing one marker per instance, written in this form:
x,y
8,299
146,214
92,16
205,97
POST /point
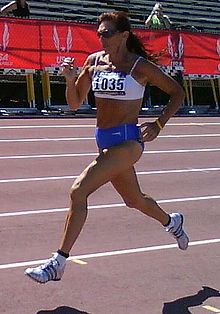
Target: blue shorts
x,y
109,137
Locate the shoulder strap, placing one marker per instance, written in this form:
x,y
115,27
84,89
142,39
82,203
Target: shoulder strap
x,y
98,55
135,63
96,59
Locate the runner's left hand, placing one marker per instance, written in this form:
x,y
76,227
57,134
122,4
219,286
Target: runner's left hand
x,y
150,131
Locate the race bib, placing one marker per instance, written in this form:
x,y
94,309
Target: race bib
x,y
109,83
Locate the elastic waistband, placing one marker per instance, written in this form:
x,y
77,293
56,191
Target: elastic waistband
x,y
119,127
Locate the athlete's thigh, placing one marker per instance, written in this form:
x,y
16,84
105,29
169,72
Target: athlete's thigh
x,y
108,165
126,184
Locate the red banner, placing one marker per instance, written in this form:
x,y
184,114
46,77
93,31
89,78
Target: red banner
x,y
36,44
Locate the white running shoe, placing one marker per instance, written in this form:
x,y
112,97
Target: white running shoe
x,y
51,270
175,228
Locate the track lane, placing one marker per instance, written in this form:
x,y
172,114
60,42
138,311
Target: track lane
x,y
147,280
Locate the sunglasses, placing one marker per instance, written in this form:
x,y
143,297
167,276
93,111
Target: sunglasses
x,y
107,34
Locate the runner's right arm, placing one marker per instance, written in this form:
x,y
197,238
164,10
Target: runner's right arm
x,y
77,88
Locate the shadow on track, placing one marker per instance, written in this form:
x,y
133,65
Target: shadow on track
x,y
62,310
182,305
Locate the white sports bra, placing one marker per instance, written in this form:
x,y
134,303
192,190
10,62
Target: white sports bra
x,y
116,85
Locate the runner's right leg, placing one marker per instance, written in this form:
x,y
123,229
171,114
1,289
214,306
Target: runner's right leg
x,y
107,165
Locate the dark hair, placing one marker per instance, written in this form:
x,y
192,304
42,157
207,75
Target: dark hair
x,y
122,24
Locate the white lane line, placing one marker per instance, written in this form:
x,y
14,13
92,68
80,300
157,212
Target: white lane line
x,y
47,126
60,139
102,206
93,125
174,151
211,308
189,135
49,156
79,261
111,253
204,170
37,179
193,123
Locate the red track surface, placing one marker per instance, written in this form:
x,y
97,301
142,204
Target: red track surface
x,y
159,279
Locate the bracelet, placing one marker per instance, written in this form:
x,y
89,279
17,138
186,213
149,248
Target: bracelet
x,y
158,124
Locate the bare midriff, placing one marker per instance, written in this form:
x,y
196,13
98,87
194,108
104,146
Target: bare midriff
x,y
111,113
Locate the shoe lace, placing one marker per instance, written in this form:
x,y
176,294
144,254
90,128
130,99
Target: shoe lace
x,y
51,263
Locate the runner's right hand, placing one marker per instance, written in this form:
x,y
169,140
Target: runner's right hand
x,y
68,69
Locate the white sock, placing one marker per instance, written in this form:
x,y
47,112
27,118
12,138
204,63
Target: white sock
x,y
61,259
171,224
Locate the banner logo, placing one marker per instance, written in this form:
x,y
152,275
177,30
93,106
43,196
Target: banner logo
x,y
218,51
175,49
5,38
4,58
63,47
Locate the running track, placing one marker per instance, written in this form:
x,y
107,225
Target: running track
x,y
123,262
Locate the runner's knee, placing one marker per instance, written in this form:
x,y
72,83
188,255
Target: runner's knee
x,y
77,193
132,202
